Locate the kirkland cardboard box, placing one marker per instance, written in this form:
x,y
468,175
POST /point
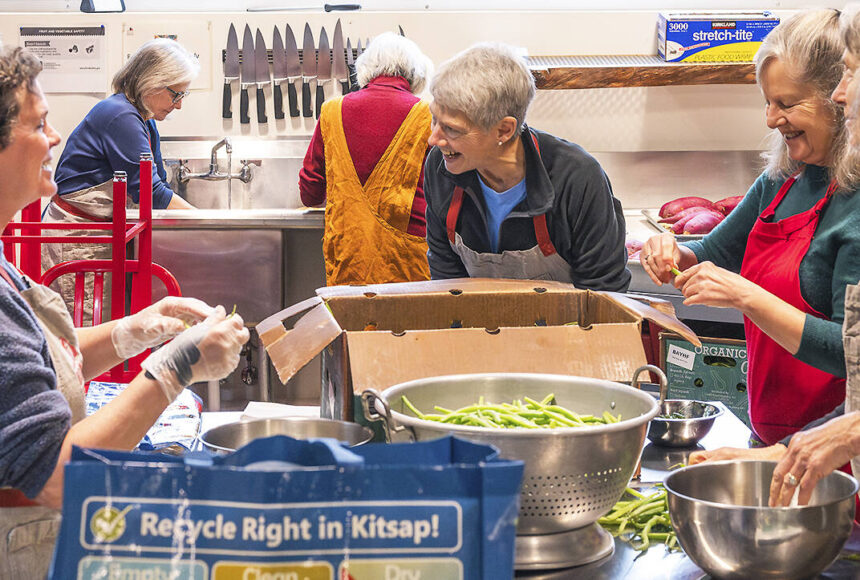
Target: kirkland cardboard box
x,y
715,36
382,335
714,371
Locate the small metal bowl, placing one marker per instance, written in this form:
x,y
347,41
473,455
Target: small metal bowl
x,y
698,419
229,437
720,513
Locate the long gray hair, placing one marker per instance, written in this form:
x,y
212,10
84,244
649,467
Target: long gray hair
x,y
392,55
810,46
486,82
18,68
159,63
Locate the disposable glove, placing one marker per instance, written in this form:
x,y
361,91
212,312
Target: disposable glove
x,y
205,352
156,323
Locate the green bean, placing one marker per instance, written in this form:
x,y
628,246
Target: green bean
x,y
642,521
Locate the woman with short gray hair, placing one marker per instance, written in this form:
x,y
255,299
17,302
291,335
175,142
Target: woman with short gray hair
x,y
111,138
784,256
505,200
365,163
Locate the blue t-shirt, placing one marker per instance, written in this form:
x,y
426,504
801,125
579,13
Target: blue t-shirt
x,y
111,138
499,205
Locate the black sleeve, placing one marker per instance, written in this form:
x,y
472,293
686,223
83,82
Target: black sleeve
x,y
837,412
444,261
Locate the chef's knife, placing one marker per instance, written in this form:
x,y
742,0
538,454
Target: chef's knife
x,y
358,50
338,60
294,71
400,31
261,66
309,70
279,72
231,72
350,65
249,76
323,69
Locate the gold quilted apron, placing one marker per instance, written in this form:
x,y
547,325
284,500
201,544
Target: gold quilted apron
x,y
365,239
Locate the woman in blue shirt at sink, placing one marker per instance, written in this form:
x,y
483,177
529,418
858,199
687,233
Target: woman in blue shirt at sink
x,y
111,138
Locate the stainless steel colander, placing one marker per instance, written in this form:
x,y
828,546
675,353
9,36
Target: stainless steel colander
x,y
572,476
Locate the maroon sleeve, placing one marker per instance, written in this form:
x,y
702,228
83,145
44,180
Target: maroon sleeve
x,y
417,220
312,174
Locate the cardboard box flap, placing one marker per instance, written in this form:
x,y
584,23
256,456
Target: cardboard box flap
x,y
645,308
290,350
453,286
381,359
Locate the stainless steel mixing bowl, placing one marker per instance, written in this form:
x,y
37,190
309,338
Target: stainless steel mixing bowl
x,y
720,514
698,419
572,475
229,437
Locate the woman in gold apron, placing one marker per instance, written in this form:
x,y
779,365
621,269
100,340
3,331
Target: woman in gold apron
x,y
44,361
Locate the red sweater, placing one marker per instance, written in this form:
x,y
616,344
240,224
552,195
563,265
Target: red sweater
x,y
371,118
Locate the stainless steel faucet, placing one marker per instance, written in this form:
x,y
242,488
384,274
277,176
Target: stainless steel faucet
x,y
214,174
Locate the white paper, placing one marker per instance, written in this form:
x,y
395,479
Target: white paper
x,y
680,357
73,58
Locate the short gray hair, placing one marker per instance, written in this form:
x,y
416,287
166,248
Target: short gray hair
x,y
392,55
159,63
810,46
486,82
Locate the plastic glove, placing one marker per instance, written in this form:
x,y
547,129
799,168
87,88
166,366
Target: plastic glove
x,y
205,352
155,324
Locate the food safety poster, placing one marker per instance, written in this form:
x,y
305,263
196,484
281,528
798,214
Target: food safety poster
x,y
74,58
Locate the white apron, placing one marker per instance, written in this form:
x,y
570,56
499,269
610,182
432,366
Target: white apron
x,y
28,534
851,342
96,202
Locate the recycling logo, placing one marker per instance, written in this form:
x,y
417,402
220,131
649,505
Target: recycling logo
x,y
108,524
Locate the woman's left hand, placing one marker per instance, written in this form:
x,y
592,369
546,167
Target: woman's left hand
x,y
710,285
157,323
771,453
812,455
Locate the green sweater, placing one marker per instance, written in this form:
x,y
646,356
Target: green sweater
x,y
831,263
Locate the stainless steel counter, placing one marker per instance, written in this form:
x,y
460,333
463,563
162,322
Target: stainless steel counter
x,y
232,219
657,563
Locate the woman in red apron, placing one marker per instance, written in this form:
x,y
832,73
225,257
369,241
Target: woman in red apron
x,y
785,255
44,361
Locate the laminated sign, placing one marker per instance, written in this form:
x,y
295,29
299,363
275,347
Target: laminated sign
x,y
285,509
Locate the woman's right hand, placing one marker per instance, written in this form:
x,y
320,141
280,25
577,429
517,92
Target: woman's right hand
x,y
659,255
771,453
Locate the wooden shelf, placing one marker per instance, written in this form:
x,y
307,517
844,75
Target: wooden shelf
x,y
593,72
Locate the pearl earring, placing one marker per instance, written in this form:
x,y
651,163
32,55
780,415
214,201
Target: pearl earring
x,y
500,143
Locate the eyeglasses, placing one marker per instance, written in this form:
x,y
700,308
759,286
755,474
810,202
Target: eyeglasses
x,y
177,96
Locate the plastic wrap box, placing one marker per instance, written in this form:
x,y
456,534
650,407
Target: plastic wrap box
x,y
712,36
716,371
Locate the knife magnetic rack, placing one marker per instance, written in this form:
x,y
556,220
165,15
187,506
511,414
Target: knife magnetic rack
x,y
269,55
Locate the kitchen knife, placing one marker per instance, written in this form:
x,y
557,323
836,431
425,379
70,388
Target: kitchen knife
x,y
358,49
231,72
249,75
400,31
350,65
279,72
261,66
309,70
338,59
323,69
294,71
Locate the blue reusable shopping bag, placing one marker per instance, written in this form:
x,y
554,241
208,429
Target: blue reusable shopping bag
x,y
284,508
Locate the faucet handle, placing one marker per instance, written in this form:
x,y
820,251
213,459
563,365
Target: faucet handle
x,y
247,162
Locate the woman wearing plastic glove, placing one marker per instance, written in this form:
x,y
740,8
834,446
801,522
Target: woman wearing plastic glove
x,y
784,256
44,360
150,86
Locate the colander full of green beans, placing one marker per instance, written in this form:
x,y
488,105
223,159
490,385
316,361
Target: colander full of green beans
x,y
580,439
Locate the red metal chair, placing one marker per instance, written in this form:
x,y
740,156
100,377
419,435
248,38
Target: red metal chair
x,y
98,268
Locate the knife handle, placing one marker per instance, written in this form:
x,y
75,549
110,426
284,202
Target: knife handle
x,y
320,98
307,111
226,102
344,87
243,106
261,106
279,101
294,100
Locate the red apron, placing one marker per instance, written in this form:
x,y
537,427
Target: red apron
x,y
784,393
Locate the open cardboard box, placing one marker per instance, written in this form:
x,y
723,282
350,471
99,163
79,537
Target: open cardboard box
x,y
382,335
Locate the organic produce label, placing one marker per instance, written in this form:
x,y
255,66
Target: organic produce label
x,y
156,526
680,357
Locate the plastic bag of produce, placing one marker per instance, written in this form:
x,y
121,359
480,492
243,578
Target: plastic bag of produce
x,y
282,508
